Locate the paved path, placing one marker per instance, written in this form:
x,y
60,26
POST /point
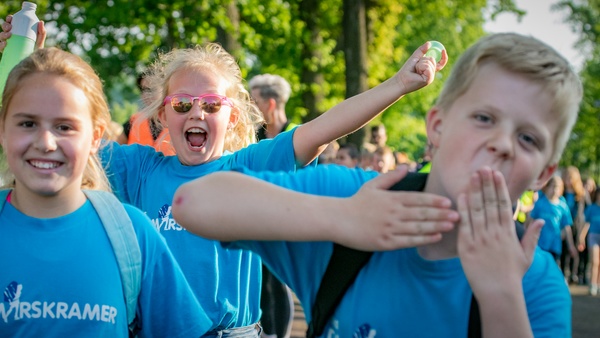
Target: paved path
x,y
586,315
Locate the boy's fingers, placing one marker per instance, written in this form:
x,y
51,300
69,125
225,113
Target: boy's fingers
x,y
476,205
385,181
531,236
429,212
413,199
504,202
490,197
464,228
412,241
423,228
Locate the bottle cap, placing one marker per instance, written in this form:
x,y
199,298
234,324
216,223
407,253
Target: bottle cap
x,y
435,50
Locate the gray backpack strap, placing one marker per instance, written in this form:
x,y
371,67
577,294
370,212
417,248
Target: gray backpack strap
x,y
122,237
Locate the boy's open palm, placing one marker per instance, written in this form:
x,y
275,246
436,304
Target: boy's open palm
x,y
419,70
378,219
492,257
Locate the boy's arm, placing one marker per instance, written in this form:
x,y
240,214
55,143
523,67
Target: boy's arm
x,y
311,138
492,257
230,206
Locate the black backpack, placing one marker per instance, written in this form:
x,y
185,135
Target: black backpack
x,y
345,264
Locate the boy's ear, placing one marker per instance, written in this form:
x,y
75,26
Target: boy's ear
x,y
434,126
545,175
272,104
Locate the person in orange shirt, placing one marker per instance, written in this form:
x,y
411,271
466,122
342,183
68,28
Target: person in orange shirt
x,y
139,130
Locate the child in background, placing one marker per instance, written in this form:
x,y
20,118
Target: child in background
x,y
486,151
592,231
348,155
552,208
576,199
59,269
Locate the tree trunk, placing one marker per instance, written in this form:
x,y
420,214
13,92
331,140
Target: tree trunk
x,y
229,38
355,53
311,74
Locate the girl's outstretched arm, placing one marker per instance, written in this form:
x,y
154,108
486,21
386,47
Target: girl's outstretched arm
x,y
311,138
231,206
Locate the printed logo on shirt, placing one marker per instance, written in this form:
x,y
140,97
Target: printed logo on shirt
x,y
13,308
363,331
165,222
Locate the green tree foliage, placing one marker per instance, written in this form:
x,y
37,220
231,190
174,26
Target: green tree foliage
x,y
301,40
583,149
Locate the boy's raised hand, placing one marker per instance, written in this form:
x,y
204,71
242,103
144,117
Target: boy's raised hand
x,y
5,34
377,219
493,258
419,70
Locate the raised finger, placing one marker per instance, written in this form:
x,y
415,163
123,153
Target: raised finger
x,y
465,230
476,205
490,198
505,210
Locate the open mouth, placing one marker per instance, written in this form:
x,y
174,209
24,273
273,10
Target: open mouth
x,y
44,164
196,137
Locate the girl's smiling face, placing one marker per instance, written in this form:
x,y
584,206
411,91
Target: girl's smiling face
x,y
197,136
48,135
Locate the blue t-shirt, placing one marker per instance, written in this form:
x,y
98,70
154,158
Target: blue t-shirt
x,y
571,203
592,216
60,278
226,282
556,216
399,293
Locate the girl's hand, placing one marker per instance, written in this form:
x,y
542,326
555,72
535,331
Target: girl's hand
x,y
419,71
492,257
5,34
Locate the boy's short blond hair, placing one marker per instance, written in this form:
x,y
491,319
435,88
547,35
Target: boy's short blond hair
x,y
531,58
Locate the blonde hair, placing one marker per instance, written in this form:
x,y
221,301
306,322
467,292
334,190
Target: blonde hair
x,y
214,58
572,177
530,58
56,62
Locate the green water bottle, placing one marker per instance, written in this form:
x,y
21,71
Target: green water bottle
x,y
21,42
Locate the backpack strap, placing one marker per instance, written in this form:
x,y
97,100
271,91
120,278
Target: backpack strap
x,y
125,245
3,194
344,266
